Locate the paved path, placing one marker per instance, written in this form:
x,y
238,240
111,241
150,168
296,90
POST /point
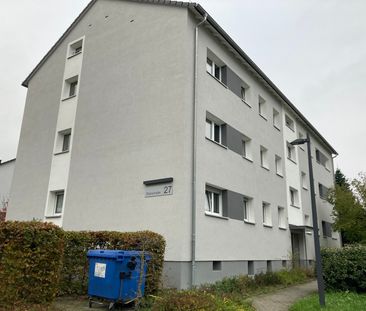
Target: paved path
x,y
284,298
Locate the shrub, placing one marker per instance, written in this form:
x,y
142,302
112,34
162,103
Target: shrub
x,y
30,261
345,268
74,277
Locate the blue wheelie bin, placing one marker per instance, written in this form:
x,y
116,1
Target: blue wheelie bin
x,y
116,276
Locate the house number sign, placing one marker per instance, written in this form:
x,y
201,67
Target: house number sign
x,y
158,187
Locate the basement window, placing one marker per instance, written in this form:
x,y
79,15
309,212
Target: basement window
x,y
216,265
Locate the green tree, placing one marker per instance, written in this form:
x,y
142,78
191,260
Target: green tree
x,y
341,180
349,200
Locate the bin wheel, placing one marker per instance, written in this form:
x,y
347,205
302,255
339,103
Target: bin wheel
x,y
111,306
90,303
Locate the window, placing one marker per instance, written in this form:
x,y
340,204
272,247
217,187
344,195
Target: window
x,y
250,267
243,93
307,221
327,229
323,191
63,141
214,69
244,90
304,181
71,87
262,107
216,265
75,48
213,203
291,152
276,119
301,136
284,263
294,197
246,148
213,131
66,142
281,217
267,217
248,212
290,123
264,157
59,201
269,266
278,165
321,158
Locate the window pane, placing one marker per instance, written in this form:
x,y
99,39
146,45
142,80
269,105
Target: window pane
x,y
59,203
246,216
208,205
217,72
217,137
243,93
66,142
209,66
73,86
244,148
208,129
216,203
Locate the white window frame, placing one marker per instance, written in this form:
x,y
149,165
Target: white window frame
x,y
75,48
291,152
263,154
267,214
211,68
210,124
246,148
281,217
210,195
278,165
276,119
248,210
290,123
262,108
294,197
304,181
58,194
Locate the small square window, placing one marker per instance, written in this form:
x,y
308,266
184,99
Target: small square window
x,y
304,181
75,48
321,158
66,142
63,141
70,87
216,265
323,191
290,123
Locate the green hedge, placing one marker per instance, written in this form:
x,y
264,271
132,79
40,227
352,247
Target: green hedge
x,y
74,276
30,262
345,268
39,260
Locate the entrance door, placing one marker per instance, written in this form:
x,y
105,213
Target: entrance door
x,y
295,243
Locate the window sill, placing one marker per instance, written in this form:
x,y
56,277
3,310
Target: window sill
x,y
223,84
67,98
295,206
73,55
290,128
267,226
293,161
216,143
277,128
216,216
279,175
244,101
249,222
302,148
265,118
282,228
309,233
334,239
266,168
305,188
61,152
250,160
53,216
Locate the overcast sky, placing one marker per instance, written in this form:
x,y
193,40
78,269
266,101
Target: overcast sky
x,y
313,50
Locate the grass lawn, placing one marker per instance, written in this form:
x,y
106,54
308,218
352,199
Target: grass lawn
x,y
336,301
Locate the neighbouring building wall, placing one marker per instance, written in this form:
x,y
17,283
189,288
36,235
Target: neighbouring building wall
x,y
6,177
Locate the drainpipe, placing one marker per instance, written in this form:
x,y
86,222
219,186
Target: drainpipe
x,y
194,155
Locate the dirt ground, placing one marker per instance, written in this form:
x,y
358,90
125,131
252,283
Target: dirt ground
x,y
81,304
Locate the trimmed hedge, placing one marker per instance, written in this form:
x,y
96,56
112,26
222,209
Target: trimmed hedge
x,y
39,261
30,262
74,276
345,268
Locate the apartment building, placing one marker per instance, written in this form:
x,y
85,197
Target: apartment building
x,y
148,116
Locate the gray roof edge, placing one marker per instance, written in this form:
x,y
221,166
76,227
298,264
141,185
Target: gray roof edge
x,y
238,49
214,24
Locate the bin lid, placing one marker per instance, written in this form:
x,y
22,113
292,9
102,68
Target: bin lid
x,y
116,254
